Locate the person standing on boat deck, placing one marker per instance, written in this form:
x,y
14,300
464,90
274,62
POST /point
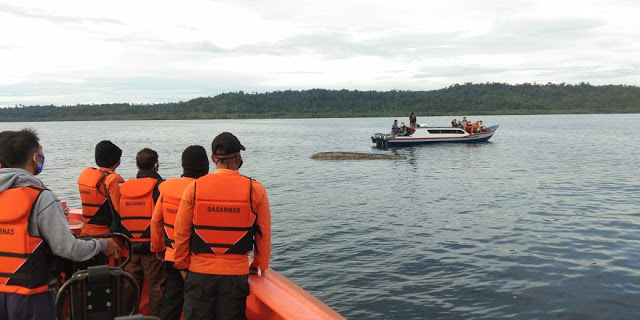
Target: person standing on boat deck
x,y
464,122
195,164
137,200
100,191
229,215
412,120
33,232
394,128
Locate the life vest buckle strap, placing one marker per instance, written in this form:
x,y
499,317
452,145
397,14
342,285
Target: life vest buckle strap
x,y
14,276
222,228
220,245
135,218
14,255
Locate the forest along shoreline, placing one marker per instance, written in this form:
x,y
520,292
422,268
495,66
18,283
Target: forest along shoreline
x,y
468,98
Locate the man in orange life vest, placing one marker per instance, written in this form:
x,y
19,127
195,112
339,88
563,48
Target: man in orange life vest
x,y
33,229
100,191
229,215
137,200
195,164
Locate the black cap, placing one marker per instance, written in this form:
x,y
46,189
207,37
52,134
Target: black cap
x,y
225,144
195,163
107,154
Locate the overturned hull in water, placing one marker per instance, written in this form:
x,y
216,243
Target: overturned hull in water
x,y
354,156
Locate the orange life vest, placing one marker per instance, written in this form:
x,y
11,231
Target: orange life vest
x,y
223,220
475,127
136,208
96,205
25,260
171,191
468,127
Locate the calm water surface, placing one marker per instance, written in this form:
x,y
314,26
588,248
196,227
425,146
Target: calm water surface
x,y
542,222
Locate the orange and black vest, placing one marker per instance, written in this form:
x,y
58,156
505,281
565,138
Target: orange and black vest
x,y
25,260
171,191
223,220
96,203
136,208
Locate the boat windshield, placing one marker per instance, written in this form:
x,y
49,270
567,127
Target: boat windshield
x,y
441,131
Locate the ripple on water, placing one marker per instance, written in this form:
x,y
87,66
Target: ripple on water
x,y
536,224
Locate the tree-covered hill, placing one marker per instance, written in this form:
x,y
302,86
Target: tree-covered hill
x,y
469,98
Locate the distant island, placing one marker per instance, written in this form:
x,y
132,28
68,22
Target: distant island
x,y
455,100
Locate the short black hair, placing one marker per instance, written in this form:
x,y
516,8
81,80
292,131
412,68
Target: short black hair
x,y
195,162
146,159
107,154
17,146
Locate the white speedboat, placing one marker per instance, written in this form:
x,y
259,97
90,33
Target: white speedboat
x,y
424,135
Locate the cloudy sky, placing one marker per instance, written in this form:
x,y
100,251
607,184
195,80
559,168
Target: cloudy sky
x,y
69,52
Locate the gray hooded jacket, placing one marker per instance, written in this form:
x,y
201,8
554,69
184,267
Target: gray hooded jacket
x,y
47,219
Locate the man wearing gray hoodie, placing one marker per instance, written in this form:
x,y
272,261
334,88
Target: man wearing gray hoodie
x,y
33,229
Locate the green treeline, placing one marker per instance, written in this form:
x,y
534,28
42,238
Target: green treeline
x,y
467,99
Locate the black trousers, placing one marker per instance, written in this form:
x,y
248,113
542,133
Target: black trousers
x,y
39,306
215,297
173,297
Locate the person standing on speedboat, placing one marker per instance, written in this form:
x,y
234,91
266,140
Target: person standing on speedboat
x,y
222,217
412,120
464,122
195,164
100,191
137,200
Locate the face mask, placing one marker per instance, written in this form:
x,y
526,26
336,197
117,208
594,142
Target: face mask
x,y
39,164
240,164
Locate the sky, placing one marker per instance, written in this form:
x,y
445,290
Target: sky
x,y
91,52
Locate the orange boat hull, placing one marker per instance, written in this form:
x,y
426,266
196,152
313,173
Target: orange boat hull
x,y
271,295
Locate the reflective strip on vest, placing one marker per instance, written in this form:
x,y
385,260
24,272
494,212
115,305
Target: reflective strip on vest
x,y
223,220
136,208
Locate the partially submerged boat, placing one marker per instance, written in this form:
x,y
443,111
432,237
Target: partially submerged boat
x,y
272,296
426,135
339,155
